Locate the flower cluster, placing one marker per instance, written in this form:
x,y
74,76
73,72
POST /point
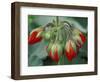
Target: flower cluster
x,y
62,37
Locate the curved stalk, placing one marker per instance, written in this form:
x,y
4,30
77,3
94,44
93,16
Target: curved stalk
x,y
57,21
68,32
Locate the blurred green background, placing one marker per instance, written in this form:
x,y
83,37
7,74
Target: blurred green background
x,y
37,55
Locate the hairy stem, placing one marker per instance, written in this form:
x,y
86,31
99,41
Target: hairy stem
x,y
57,21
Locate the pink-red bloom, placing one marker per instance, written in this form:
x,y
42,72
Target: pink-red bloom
x,y
79,38
54,51
35,36
83,38
70,50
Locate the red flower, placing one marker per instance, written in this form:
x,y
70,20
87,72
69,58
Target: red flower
x,y
55,51
54,56
83,38
70,50
35,36
79,38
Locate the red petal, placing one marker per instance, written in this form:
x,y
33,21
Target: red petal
x,y
54,56
33,39
83,38
51,55
37,40
71,54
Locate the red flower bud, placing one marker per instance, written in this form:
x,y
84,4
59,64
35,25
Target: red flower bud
x,y
55,51
70,50
54,56
78,41
83,38
79,38
35,36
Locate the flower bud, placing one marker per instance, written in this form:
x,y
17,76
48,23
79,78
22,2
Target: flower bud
x,y
47,35
78,41
70,50
55,52
79,38
35,36
83,38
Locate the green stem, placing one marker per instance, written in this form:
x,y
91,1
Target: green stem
x,y
57,21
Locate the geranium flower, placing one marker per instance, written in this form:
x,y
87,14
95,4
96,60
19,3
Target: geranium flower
x,y
70,50
54,51
35,36
83,38
78,37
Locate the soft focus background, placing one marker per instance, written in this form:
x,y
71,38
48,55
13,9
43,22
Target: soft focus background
x,y
37,55
5,41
